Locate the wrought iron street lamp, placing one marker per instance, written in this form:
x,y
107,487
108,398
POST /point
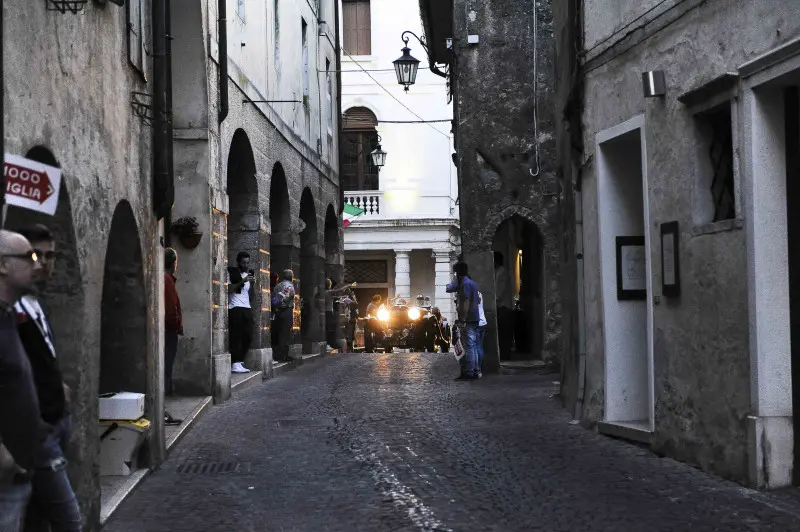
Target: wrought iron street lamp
x,y
407,65
378,155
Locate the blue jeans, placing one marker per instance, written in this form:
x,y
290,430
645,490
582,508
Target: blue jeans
x,y
13,499
481,336
53,500
469,340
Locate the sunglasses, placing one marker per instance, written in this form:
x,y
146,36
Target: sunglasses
x,y
30,256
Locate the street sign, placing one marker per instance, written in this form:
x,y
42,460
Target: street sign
x,y
31,185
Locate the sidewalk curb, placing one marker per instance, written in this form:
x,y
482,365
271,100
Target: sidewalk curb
x,y
189,422
131,484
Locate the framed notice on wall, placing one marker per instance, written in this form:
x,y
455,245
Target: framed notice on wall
x,y
670,260
631,268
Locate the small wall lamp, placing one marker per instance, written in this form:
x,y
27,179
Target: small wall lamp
x,y
654,84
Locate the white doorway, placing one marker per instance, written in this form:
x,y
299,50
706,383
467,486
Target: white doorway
x,y
627,279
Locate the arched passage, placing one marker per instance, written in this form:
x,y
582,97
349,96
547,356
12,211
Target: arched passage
x,y
123,310
333,268
520,289
245,234
279,218
311,274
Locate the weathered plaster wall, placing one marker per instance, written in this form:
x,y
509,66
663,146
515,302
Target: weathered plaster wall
x,y
76,103
498,139
701,359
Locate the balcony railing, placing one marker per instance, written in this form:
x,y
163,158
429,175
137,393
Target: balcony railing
x,y
368,200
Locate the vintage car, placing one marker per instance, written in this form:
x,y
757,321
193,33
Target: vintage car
x,y
398,324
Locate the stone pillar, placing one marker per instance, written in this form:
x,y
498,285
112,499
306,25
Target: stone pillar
x,y
402,273
443,270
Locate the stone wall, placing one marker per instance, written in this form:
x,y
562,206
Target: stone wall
x,y
505,143
701,361
74,102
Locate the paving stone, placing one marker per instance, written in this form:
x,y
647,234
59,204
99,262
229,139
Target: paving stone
x,y
391,442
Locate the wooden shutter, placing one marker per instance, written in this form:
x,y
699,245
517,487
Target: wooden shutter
x,y
364,28
349,12
357,27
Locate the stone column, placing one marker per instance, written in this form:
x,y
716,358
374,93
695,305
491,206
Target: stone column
x,y
402,273
443,270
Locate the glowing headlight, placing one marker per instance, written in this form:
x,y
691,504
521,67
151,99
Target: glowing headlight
x,y
383,314
413,313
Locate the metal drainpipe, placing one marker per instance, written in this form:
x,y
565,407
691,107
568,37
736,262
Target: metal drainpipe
x,y
222,30
339,107
581,302
162,203
169,139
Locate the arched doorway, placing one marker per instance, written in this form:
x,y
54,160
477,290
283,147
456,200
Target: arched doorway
x,y
359,139
123,310
311,275
520,289
245,235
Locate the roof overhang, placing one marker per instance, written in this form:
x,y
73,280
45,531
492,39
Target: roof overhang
x,y
437,23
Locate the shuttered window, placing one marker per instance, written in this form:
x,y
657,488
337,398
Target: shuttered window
x,y
357,27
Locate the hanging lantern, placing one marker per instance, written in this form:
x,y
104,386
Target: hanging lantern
x,y
406,67
378,156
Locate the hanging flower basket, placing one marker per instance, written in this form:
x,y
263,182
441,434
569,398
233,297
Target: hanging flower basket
x,y
186,230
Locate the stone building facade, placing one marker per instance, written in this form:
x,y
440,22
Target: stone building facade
x,y
687,323
509,194
260,172
406,241
68,83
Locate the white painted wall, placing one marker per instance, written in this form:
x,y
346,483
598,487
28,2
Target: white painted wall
x,y
419,179
251,47
422,274
621,206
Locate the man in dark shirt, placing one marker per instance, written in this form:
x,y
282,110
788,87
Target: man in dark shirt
x,y
21,428
53,502
173,325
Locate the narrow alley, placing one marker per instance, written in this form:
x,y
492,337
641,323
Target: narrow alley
x,y
390,442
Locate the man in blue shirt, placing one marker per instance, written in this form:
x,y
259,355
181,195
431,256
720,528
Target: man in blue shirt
x,y
467,307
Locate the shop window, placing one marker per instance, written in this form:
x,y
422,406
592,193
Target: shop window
x,y
357,27
716,192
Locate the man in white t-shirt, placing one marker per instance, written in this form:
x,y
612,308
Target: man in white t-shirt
x,y
240,313
481,334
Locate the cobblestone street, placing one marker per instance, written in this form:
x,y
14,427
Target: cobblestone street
x,y
391,442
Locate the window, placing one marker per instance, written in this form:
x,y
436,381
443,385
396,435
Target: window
x,y
359,139
304,30
240,9
716,192
136,38
357,27
276,36
329,92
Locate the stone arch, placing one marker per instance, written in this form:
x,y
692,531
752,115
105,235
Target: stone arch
x,y
246,232
123,310
282,246
311,274
520,244
332,237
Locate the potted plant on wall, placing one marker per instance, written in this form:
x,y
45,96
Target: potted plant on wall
x,y
186,229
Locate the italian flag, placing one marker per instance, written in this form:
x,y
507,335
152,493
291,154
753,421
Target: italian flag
x,y
350,213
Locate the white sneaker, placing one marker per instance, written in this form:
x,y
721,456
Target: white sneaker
x,y
237,367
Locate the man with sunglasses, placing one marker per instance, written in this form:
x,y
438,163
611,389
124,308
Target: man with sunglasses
x,y
21,428
53,500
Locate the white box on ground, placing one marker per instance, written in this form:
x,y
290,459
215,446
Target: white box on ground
x,y
122,405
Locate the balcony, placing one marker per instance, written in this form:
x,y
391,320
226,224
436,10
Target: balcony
x,y
370,201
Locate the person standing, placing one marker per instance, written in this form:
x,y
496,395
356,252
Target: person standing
x,y
21,428
505,314
53,501
468,318
240,313
283,312
173,324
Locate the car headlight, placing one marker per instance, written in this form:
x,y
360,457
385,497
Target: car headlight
x,y
383,314
414,313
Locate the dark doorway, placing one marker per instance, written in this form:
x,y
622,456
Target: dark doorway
x,y
518,248
123,313
311,275
245,228
792,124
